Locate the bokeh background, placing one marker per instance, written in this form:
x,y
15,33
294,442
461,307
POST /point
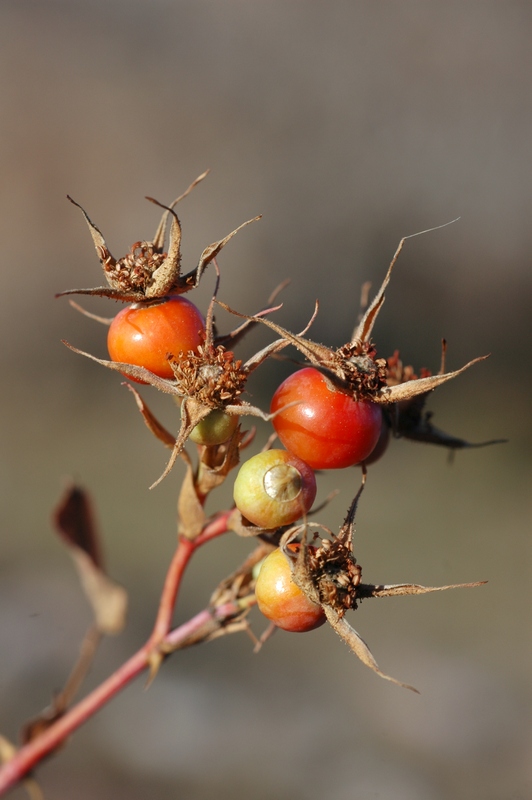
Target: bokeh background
x,y
347,125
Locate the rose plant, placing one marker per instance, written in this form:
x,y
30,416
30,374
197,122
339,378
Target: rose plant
x,y
339,409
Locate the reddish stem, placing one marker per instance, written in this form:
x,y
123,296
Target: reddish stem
x,y
32,753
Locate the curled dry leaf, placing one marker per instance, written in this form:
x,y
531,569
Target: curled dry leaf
x,y
190,514
74,521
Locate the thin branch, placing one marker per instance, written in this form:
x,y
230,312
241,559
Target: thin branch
x,y
35,751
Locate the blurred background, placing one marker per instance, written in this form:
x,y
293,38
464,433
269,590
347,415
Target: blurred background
x,y
347,125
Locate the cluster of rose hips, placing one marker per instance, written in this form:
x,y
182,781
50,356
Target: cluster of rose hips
x,y
335,413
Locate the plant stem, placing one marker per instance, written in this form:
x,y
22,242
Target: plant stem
x,y
36,750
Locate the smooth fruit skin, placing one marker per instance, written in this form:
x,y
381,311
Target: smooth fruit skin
x,y
216,428
281,601
145,335
327,429
274,488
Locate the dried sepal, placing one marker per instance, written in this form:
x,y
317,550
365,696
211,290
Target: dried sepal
x,y
328,574
210,252
209,380
417,426
363,330
96,317
140,374
240,582
152,423
192,413
354,367
228,608
147,272
160,233
216,462
243,527
399,589
358,646
409,419
236,335
406,391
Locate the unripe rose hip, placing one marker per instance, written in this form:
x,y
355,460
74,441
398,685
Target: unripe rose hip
x,y
274,488
281,601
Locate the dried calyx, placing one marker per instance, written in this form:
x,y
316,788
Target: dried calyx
x,y
148,272
354,368
409,420
204,381
329,575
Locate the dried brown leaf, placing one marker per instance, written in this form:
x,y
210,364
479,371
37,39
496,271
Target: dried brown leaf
x,y
107,598
191,516
73,519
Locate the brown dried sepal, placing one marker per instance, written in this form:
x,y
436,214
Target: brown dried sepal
x,y
329,575
148,272
208,379
217,380
409,420
354,367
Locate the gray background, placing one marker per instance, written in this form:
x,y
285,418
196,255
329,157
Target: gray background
x,y
347,125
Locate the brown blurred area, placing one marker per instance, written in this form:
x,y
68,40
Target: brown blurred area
x,y
347,125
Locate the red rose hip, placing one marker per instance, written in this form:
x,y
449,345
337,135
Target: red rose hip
x,y
327,428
